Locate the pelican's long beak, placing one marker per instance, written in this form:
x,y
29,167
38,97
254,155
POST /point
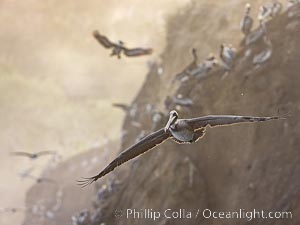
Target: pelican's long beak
x,y
171,120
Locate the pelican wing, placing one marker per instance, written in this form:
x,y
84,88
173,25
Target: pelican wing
x,y
46,153
225,120
104,41
26,154
137,51
135,150
121,106
11,210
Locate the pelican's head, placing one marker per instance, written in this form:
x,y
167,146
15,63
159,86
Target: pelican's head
x,y
172,119
247,7
121,43
223,46
194,51
96,33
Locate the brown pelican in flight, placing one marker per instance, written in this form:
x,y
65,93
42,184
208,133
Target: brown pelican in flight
x,y
117,49
33,155
247,21
12,210
181,131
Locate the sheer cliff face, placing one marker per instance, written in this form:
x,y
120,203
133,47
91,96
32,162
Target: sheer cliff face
x,y
56,81
250,166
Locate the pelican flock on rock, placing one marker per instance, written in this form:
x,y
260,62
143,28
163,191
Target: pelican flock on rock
x,y
117,49
181,131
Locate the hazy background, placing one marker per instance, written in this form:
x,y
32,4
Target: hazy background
x,y
57,84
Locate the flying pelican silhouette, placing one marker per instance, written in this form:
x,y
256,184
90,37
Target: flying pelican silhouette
x,y
12,210
33,155
122,106
117,49
181,131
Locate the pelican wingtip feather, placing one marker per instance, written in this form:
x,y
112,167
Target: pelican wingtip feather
x,y
85,181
